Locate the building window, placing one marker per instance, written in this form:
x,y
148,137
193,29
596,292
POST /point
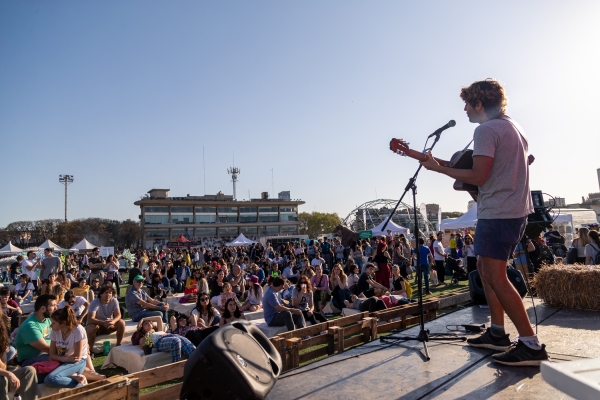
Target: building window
x,y
269,230
156,219
267,209
228,219
179,209
228,231
156,209
288,217
206,219
249,230
247,210
268,218
182,219
288,209
206,210
252,218
206,232
228,210
160,233
289,229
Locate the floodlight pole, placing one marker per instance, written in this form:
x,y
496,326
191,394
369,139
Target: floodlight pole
x,y
66,180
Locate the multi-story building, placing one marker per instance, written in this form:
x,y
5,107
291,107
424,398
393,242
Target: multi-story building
x,y
209,217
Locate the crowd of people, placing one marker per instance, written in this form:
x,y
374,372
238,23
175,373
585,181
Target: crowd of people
x,y
76,296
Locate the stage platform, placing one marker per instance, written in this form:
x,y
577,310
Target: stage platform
x,y
379,370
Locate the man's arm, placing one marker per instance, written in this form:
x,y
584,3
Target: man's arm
x,y
478,175
40,345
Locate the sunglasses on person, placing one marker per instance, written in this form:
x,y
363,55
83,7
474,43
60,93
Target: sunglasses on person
x,y
203,298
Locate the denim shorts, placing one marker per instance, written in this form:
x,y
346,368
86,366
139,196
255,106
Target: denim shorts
x,y
498,238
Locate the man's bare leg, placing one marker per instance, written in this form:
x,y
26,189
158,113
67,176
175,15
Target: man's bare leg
x,y
502,296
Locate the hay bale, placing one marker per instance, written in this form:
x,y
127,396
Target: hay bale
x,y
569,286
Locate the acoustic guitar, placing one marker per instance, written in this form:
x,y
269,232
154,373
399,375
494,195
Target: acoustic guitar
x,y
462,159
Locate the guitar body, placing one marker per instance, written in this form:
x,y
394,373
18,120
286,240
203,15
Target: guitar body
x,y
464,160
461,159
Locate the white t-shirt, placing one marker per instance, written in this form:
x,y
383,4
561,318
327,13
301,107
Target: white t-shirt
x,y
470,250
66,347
437,246
591,250
33,274
205,318
77,308
20,288
316,261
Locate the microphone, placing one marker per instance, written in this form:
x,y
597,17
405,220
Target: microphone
x,y
450,124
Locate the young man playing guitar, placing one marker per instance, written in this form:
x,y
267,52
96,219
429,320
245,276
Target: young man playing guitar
x,y
501,171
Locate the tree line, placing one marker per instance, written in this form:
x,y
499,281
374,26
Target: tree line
x,y
101,232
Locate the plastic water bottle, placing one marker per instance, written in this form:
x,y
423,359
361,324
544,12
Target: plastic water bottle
x,y
106,347
17,397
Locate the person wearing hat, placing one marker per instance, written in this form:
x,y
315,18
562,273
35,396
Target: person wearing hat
x,y
140,305
367,285
594,226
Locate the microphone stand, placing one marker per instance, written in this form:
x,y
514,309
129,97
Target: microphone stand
x,y
424,334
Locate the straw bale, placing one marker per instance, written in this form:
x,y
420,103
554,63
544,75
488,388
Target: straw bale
x,y
569,286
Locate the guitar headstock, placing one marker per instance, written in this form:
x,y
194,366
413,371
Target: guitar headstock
x,y
399,146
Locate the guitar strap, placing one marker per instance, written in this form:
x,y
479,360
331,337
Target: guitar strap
x,y
513,123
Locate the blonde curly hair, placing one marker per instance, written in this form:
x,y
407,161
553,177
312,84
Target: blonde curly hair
x,y
490,93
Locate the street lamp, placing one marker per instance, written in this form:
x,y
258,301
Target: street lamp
x,y
66,180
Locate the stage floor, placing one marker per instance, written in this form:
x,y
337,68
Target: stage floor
x,y
378,370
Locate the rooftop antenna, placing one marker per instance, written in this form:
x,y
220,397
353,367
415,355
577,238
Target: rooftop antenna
x,y
272,183
234,173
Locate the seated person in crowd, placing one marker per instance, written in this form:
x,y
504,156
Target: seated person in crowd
x,y
289,274
68,346
275,313
365,304
367,285
104,316
95,287
204,315
10,308
82,288
48,284
140,305
183,272
232,312
302,299
183,327
178,346
22,381
237,281
78,304
255,295
32,341
24,290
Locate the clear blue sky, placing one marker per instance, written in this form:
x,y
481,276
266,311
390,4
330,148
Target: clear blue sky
x,y
124,96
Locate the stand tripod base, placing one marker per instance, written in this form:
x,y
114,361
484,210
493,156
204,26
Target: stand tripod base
x,y
422,337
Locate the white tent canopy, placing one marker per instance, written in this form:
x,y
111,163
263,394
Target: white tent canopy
x,y
467,220
10,249
50,244
240,241
391,226
84,245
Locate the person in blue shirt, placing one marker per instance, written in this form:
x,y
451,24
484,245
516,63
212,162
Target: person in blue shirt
x,y
426,260
275,313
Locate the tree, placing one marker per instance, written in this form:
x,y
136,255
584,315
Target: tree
x,y
317,223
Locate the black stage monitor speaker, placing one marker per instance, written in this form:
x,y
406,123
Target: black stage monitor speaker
x,y
476,286
236,361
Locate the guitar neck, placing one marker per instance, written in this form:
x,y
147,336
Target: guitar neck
x,y
421,157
